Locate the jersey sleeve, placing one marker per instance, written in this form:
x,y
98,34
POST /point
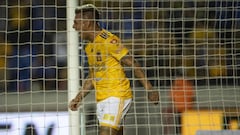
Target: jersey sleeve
x,y
116,49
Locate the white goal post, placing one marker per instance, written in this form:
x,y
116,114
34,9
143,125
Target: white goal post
x,y
73,69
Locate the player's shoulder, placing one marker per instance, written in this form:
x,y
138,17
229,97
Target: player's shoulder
x,y
109,37
105,34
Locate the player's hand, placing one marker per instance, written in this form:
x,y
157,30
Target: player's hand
x,y
153,96
74,104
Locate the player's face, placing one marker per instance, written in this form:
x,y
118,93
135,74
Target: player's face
x,y
79,25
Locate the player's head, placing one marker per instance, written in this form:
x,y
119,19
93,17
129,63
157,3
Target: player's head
x,y
88,10
86,19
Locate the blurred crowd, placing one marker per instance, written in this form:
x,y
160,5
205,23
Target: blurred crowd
x,y
199,40
33,45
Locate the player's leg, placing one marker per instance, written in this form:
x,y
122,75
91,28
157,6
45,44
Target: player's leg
x,y
120,131
108,131
110,113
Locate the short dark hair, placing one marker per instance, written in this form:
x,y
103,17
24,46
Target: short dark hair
x,y
88,8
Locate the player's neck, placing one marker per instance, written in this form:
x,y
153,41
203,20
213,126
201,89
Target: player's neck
x,y
94,33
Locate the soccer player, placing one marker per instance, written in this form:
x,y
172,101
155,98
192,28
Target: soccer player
x,y
106,57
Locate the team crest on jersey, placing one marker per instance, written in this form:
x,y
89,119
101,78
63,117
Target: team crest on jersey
x,y
113,41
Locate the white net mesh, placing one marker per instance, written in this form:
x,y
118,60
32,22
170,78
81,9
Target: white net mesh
x,y
182,45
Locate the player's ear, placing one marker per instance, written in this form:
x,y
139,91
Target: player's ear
x,y
86,24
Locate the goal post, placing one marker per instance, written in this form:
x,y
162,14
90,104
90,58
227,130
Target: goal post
x,y
73,69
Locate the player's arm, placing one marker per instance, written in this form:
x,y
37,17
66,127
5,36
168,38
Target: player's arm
x,y
139,73
129,61
121,53
86,88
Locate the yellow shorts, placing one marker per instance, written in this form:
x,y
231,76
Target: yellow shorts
x,y
111,111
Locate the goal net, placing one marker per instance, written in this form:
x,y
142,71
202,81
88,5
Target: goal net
x,y
189,50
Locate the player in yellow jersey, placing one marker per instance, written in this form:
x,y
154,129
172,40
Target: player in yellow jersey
x,y
106,57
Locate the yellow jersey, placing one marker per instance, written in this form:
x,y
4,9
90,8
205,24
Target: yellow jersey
x,y
109,78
